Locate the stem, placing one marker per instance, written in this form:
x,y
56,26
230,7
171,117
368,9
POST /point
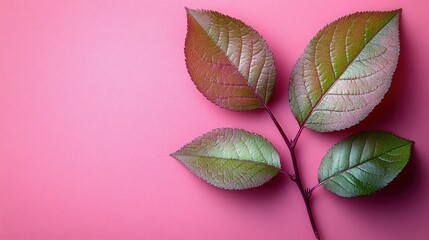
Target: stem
x,y
292,177
285,138
295,140
305,193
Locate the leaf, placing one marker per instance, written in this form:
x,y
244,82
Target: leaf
x,y
345,71
364,163
231,158
229,62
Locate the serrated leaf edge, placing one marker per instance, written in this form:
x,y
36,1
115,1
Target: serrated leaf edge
x,y
268,97
398,11
174,154
409,142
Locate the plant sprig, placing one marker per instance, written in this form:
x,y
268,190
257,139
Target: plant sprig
x,y
344,72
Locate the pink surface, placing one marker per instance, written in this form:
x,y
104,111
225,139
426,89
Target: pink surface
x,y
95,95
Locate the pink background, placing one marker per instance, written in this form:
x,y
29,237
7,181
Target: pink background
x,y
94,95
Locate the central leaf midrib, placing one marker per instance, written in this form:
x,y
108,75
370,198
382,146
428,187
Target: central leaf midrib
x,y
231,63
360,164
230,159
336,80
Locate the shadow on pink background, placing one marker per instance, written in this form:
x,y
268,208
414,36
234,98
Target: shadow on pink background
x,y
94,96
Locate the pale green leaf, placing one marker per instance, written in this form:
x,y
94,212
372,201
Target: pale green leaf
x,y
231,158
229,62
363,163
345,71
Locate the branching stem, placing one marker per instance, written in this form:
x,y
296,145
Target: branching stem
x,y
291,176
305,193
316,186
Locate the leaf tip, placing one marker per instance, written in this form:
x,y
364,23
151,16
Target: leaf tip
x,y
190,11
174,154
408,141
396,11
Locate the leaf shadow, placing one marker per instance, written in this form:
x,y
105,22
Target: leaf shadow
x,y
260,200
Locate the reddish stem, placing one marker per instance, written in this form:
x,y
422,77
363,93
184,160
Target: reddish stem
x,y
305,193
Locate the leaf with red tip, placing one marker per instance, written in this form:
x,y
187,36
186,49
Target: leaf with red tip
x,y
229,62
345,71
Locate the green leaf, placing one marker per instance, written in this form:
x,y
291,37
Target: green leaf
x,y
231,158
345,71
229,62
364,163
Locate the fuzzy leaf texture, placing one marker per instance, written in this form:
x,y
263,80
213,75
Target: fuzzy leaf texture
x,y
364,163
229,62
345,71
231,158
